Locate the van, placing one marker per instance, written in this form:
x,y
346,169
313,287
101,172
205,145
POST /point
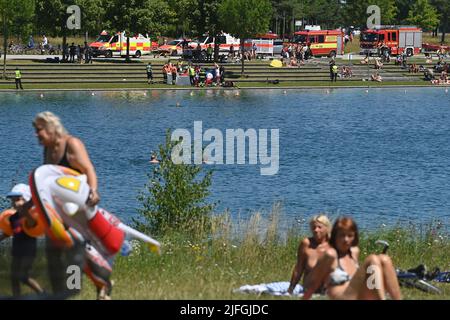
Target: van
x,y
224,40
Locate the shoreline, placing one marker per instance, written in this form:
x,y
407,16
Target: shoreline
x,y
390,86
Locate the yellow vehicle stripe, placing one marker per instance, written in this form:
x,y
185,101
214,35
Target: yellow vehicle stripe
x,y
324,46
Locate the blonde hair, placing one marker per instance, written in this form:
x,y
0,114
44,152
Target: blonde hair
x,y
323,219
51,121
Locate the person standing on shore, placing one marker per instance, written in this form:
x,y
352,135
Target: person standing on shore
x,y
24,247
62,149
149,73
18,77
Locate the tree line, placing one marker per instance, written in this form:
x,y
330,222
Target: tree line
x,y
174,18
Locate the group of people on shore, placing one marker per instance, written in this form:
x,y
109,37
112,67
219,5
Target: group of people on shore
x,y
198,75
77,53
294,55
328,263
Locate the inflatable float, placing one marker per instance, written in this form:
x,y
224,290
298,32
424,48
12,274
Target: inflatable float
x,y
61,212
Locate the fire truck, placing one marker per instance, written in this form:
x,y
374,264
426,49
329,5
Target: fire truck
x,y
321,42
116,44
396,39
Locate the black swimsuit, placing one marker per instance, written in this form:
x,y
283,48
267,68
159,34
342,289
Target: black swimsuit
x,y
63,161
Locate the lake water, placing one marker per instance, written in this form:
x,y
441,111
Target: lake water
x,y
382,156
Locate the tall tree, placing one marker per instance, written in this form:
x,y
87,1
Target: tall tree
x,y
403,7
187,16
92,15
443,9
22,18
245,18
16,17
151,16
423,15
51,16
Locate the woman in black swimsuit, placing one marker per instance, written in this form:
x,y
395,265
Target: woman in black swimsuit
x,y
63,149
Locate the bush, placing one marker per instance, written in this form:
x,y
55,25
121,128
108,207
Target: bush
x,y
174,199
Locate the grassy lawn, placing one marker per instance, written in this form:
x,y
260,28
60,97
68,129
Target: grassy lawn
x,y
248,252
282,85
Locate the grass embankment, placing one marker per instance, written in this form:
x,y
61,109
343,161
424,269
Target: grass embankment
x,y
249,252
246,85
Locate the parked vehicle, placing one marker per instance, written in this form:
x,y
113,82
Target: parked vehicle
x,y
321,42
109,45
174,47
395,39
224,40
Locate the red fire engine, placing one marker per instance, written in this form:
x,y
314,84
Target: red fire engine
x,y
396,39
321,42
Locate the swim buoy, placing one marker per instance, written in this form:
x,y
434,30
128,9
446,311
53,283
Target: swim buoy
x,y
37,230
5,225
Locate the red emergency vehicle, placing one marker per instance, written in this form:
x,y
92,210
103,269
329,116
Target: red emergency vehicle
x,y
321,42
396,39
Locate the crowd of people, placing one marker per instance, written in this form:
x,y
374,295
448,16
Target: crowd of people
x,y
198,76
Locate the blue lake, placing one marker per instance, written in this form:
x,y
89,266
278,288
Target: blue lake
x,y
382,156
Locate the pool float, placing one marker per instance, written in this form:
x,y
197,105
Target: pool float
x,y
59,196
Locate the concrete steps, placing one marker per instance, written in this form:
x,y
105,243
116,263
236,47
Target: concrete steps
x,y
108,73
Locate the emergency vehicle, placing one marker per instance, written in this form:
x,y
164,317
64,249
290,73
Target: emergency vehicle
x,y
266,44
173,48
396,39
224,40
321,42
116,44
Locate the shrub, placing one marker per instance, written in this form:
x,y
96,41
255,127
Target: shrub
x,y
174,199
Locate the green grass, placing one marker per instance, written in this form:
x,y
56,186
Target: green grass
x,y
260,254
139,86
253,251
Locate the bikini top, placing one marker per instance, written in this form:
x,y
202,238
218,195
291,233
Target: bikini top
x,y
339,275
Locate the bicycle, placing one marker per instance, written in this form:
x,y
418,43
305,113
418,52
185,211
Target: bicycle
x,y
418,277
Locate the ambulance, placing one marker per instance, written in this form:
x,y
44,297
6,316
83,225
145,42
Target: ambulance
x,y
110,45
224,40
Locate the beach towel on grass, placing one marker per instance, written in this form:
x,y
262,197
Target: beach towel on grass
x,y
274,288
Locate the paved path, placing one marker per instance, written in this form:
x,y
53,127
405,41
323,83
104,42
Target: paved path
x,y
45,56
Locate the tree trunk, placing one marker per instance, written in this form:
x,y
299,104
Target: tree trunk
x,y
127,58
64,44
242,54
444,28
5,44
216,50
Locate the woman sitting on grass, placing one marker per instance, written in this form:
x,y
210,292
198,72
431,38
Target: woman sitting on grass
x,y
365,60
376,77
344,278
310,250
378,64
